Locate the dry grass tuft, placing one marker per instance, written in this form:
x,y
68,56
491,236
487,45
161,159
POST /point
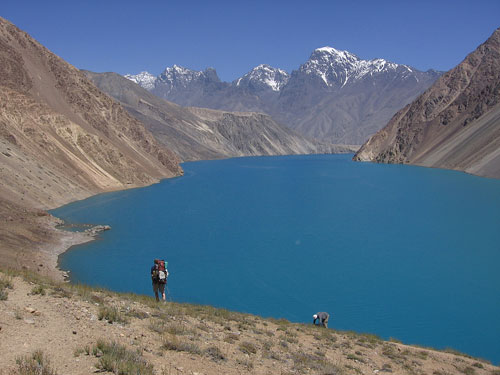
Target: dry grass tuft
x,y
117,359
111,314
36,364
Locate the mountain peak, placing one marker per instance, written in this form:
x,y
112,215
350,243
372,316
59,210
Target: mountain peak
x,y
264,77
144,79
345,55
336,68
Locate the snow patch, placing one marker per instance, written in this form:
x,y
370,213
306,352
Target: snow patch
x,y
143,79
337,68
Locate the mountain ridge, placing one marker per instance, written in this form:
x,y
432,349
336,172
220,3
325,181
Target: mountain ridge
x,y
334,96
455,124
51,112
200,133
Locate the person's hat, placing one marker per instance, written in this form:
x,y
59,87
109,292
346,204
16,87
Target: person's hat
x,y
315,316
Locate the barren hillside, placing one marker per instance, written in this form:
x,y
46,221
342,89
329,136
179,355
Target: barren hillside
x,y
61,139
79,330
455,124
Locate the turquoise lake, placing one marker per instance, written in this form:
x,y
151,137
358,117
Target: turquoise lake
x,y
399,251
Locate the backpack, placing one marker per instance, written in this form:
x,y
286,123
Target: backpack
x,y
162,271
155,273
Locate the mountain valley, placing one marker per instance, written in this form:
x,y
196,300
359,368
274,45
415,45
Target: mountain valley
x,y
334,96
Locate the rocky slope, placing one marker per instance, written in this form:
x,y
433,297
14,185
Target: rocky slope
x,y
334,96
455,124
61,139
198,133
75,327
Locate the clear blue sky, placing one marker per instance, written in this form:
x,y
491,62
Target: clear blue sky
x,y
234,36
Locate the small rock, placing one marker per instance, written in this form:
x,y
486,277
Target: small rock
x,y
122,335
180,369
29,309
74,332
29,321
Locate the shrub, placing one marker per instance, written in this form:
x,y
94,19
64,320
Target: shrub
x,y
61,292
303,361
119,360
5,283
111,314
173,343
179,330
354,357
18,314
468,370
248,348
215,353
36,364
135,313
247,363
157,326
231,338
38,289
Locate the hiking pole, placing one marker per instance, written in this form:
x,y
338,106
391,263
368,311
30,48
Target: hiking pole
x,y
169,297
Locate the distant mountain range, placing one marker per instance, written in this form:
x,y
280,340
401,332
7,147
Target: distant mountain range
x,y
455,124
334,96
199,133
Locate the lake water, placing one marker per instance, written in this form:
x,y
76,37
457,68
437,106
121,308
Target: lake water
x,y
399,251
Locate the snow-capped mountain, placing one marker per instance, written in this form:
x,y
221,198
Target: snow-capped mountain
x,y
144,79
334,96
336,68
177,76
263,77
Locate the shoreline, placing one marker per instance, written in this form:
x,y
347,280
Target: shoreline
x,y
68,239
63,241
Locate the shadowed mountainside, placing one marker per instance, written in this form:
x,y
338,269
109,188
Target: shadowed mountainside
x,y
199,133
455,124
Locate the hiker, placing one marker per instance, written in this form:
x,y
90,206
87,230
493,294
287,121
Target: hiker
x,y
159,275
322,318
